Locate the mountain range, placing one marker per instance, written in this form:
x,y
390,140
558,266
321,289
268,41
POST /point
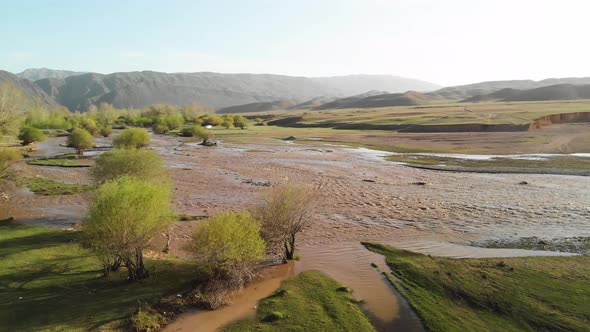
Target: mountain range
x,y
239,93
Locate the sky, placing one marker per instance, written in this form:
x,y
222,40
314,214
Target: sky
x,y
447,42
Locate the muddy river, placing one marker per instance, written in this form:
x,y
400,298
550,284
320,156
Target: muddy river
x,y
362,198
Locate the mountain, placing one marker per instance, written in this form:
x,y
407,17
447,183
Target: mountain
x,y
34,74
355,84
376,99
140,89
258,107
32,90
552,92
484,88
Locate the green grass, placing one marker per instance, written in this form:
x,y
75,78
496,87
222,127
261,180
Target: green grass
x,y
310,301
49,283
508,294
560,165
44,186
67,160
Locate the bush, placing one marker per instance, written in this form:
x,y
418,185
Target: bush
x,y
199,132
230,246
89,125
106,131
132,138
30,135
80,140
161,129
7,158
147,320
125,215
240,122
143,164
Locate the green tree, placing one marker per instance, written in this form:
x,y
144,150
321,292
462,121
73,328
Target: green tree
x,y
124,217
287,210
7,158
30,135
145,165
80,140
240,122
199,132
132,138
228,120
13,102
230,246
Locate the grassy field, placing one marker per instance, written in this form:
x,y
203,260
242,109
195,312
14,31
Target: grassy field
x,y
49,283
508,294
554,165
310,301
447,114
44,186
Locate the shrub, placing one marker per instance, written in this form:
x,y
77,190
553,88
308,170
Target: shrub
x,y
211,120
89,125
13,101
30,135
125,215
7,158
132,138
240,122
147,320
199,132
106,131
230,246
80,140
286,212
143,164
161,128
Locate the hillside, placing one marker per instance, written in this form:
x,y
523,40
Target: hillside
x,y
552,92
140,89
258,107
410,98
34,74
31,89
484,88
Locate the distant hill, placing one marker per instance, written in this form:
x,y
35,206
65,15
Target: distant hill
x,y
409,98
355,84
258,107
140,89
484,88
34,74
33,91
552,92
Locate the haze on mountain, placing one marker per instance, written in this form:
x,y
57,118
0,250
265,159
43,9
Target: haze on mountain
x,y
34,74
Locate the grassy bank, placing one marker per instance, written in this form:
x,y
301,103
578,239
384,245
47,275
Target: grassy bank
x,y
309,302
555,165
69,160
508,294
49,283
44,186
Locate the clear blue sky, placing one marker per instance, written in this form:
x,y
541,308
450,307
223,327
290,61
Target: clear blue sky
x,y
446,42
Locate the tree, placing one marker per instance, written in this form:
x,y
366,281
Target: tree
x,y
7,158
143,164
132,138
80,140
230,246
13,102
228,120
30,135
89,125
240,122
124,217
287,210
